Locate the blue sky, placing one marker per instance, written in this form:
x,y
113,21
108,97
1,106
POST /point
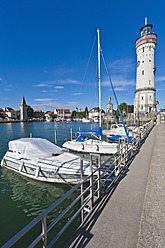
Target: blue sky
x,y
45,47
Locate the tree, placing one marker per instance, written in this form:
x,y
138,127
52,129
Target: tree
x,y
30,111
123,108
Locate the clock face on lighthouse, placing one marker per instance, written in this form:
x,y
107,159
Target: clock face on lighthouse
x,y
138,63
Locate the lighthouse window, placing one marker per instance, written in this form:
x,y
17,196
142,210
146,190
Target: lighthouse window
x,y
142,97
149,48
149,60
149,82
142,72
143,49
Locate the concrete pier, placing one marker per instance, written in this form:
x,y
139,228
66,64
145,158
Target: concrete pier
x,y
132,214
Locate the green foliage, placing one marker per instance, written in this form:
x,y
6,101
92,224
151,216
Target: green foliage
x,y
29,111
123,108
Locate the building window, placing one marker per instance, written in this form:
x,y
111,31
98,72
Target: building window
x,y
143,61
142,72
142,107
150,97
149,48
149,82
142,97
143,49
149,60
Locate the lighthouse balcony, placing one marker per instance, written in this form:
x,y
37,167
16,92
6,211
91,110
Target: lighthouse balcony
x,y
152,37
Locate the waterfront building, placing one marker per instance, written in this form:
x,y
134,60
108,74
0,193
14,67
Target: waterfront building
x,y
145,101
65,113
94,113
38,113
23,110
9,112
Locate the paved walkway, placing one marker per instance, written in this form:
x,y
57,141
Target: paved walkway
x,y
133,213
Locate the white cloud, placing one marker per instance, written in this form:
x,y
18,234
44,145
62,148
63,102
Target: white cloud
x,y
160,78
118,81
58,87
59,81
41,85
43,99
122,65
77,94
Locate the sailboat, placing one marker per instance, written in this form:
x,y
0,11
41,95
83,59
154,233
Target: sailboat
x,y
90,145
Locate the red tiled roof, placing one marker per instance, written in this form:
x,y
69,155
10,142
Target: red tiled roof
x,y
63,110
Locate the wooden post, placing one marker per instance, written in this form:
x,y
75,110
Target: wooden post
x,y
56,137
31,135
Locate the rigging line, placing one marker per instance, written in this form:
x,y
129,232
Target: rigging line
x,y
87,67
114,92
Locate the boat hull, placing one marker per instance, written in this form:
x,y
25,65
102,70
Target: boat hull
x,y
45,173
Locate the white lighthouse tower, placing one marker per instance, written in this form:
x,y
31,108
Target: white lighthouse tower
x,y
145,102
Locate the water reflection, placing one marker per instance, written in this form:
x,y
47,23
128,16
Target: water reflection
x,y
33,197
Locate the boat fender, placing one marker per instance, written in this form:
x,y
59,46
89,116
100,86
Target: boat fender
x,y
37,171
21,166
2,162
97,147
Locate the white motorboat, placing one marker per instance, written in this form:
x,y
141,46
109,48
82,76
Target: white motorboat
x,y
85,120
116,129
85,145
49,118
42,160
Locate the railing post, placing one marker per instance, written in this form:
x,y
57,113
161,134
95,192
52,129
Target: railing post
x,y
82,197
44,232
99,176
124,152
56,137
91,182
71,133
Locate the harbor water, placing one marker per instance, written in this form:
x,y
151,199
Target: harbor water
x,y
22,199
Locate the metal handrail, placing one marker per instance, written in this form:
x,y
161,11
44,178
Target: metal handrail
x,y
98,178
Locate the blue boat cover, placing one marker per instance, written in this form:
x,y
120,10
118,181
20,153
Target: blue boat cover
x,y
97,131
117,137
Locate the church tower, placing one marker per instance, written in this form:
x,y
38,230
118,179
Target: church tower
x,y
109,110
145,102
23,110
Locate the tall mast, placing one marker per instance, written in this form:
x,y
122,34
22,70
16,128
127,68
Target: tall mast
x,y
99,77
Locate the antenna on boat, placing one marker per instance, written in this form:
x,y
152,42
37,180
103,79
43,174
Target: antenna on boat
x,y
98,32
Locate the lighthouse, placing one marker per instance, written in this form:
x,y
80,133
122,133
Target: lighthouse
x,y
145,101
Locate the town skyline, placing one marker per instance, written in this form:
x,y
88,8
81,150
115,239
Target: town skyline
x,y
45,49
